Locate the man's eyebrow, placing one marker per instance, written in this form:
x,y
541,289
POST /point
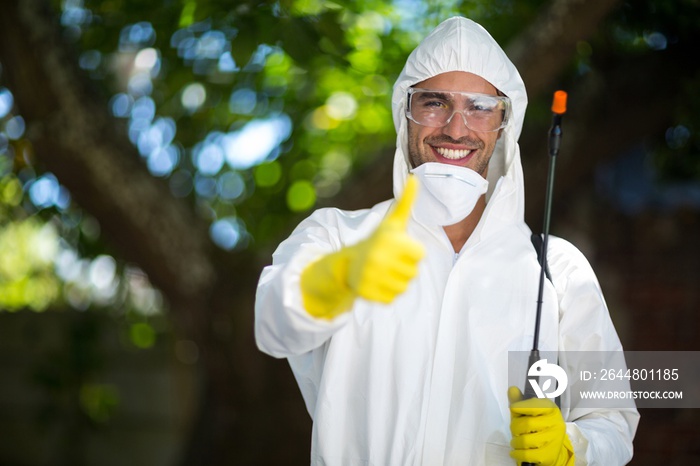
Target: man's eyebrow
x,y
433,95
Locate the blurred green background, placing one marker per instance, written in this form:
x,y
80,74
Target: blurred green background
x,y
154,153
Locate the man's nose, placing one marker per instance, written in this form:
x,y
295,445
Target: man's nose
x,y
456,126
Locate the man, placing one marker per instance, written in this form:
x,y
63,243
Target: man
x,y
397,320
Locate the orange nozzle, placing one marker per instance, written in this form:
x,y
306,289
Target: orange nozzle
x,y
559,102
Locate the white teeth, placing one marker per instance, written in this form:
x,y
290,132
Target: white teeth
x,y
452,153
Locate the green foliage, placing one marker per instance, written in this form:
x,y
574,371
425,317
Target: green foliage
x,y
256,110
142,335
301,196
26,267
279,85
99,401
319,70
27,251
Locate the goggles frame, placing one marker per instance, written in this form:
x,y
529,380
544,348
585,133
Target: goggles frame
x,y
467,114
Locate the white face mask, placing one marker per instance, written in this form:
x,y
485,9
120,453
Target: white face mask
x,y
448,193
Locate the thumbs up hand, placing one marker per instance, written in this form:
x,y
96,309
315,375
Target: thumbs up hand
x,y
383,265
378,268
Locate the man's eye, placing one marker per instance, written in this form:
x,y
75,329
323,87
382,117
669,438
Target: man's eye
x,y
434,104
482,106
482,109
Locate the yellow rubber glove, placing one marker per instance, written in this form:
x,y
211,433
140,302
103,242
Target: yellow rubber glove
x,y
539,431
378,268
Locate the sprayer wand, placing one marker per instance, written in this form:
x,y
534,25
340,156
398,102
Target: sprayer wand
x,y
555,133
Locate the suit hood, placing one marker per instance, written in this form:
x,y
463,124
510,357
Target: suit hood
x,y
460,44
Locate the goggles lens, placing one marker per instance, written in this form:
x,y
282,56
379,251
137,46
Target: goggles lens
x,y
480,112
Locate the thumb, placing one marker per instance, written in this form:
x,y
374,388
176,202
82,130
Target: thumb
x,y
514,395
402,211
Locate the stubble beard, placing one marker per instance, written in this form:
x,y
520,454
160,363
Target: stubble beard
x,y
479,161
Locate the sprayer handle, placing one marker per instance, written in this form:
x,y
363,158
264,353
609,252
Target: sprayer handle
x,y
558,109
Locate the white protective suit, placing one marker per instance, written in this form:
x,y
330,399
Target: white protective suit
x,y
423,380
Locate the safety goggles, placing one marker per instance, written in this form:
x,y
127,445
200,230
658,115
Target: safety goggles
x,y
480,112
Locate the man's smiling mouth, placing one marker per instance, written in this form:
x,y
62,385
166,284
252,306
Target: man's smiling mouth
x,y
453,154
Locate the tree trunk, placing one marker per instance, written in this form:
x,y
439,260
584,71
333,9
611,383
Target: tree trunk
x,y
548,45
